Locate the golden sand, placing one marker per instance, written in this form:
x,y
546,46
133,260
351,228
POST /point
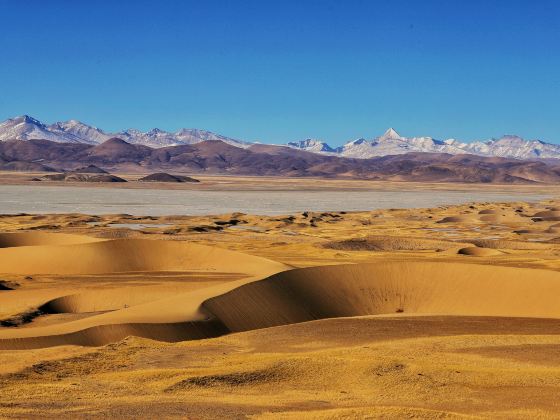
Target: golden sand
x,y
449,312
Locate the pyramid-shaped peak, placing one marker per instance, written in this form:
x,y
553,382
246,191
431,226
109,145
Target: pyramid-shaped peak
x,y
156,131
27,120
391,134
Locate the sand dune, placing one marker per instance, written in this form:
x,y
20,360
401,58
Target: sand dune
x,y
320,292
468,218
505,244
124,255
17,239
180,316
391,243
101,335
315,293
110,299
490,211
548,215
475,251
401,331
493,216
121,256
506,218
374,289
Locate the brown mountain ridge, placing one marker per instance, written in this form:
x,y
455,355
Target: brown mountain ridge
x,y
217,157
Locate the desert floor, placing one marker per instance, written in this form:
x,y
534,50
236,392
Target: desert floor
x,y
268,183
450,312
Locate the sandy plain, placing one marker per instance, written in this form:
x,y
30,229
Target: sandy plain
x,y
446,312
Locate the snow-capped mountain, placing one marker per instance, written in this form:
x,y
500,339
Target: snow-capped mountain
x,y
27,128
86,133
515,147
153,138
313,145
391,143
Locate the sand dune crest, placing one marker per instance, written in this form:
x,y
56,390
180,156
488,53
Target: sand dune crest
x,y
389,288
475,251
127,255
17,239
315,293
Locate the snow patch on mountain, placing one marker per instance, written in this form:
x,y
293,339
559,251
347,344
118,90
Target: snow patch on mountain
x,y
313,145
389,143
392,143
27,128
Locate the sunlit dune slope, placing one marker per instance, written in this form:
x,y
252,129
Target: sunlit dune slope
x,y
17,239
388,288
266,294
123,255
475,251
171,318
314,293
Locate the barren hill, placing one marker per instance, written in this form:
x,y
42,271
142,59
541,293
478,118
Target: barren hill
x,y
217,157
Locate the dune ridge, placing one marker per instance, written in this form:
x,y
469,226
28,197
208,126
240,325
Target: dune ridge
x,y
91,256
307,294
388,288
475,251
120,255
395,317
18,239
101,335
391,243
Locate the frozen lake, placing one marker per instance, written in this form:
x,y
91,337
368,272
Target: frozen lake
x,y
144,202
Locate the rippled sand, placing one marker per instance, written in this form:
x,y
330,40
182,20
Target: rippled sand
x,y
447,312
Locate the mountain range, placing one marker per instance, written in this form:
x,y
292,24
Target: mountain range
x,y
390,143
218,157
27,128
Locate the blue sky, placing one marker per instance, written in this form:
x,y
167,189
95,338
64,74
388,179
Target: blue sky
x,y
276,71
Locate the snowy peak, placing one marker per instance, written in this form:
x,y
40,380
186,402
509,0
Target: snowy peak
x,y
82,132
26,119
73,131
514,147
194,135
356,142
312,145
25,127
390,134
392,143
22,120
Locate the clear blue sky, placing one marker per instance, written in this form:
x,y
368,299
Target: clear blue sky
x,y
276,71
